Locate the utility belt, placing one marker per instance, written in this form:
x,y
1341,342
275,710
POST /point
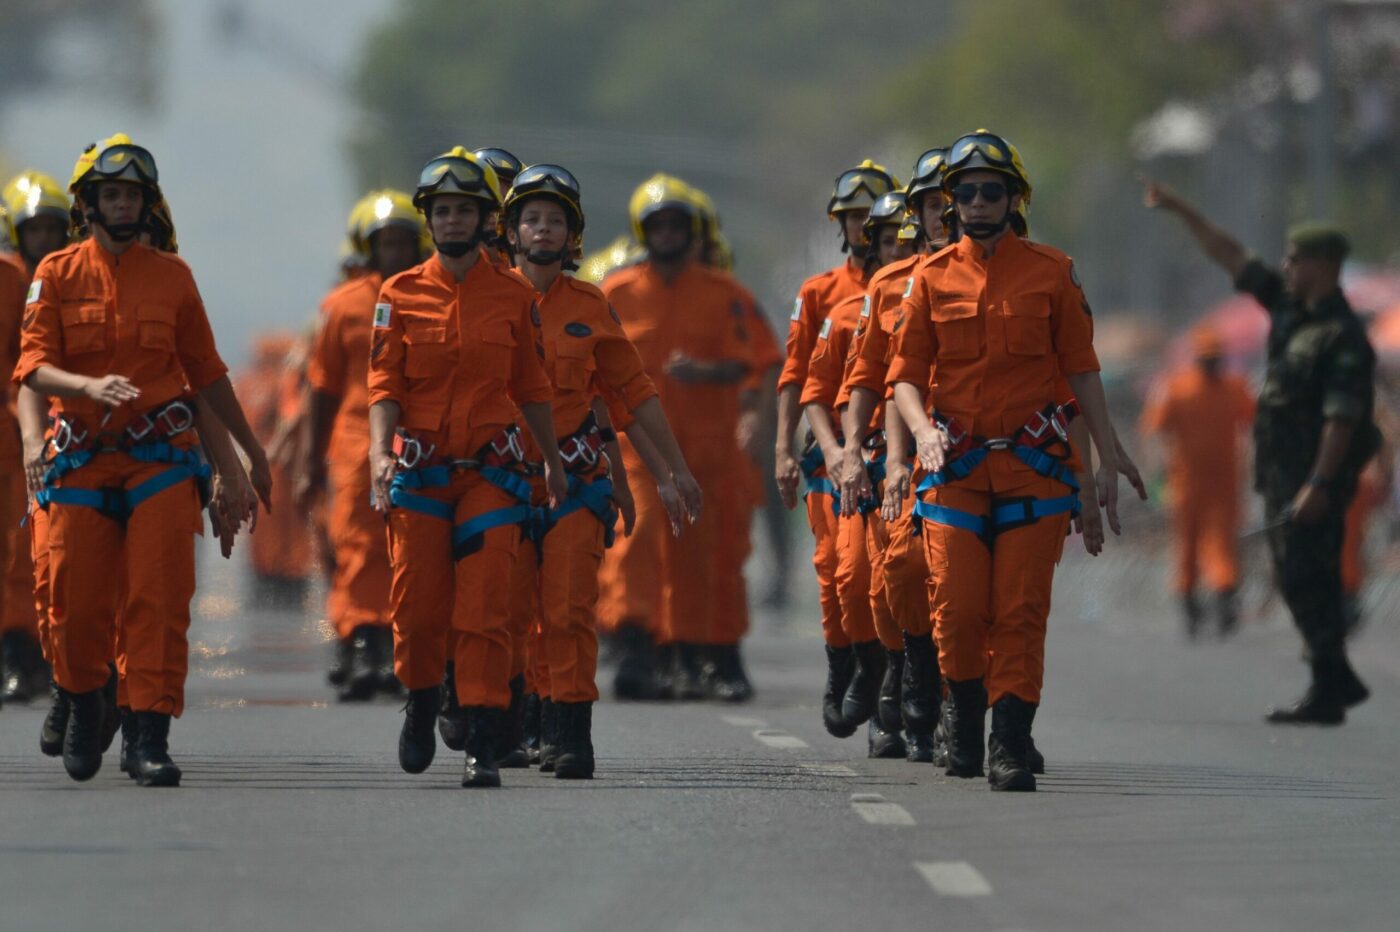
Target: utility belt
x,y
147,438
582,449
1031,444
501,462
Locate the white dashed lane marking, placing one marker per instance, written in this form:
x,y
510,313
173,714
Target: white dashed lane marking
x,y
877,810
954,878
826,770
780,739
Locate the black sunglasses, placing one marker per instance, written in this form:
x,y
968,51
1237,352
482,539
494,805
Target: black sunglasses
x,y
992,192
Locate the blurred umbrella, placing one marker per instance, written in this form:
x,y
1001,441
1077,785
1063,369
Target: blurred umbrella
x,y
1372,289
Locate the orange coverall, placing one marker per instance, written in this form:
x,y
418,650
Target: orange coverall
x,y
454,356
989,338
339,366
815,299
666,583
557,586
140,317
1201,419
16,564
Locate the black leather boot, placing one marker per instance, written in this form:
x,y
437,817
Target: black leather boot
x,y
685,676
386,680
14,661
864,692
636,666
920,690
511,755
452,721
1192,614
840,667
888,706
1007,767
964,720
549,735
729,682
484,728
55,722
532,726
919,747
151,760
575,761
363,676
339,670
940,745
663,677
1335,687
1034,759
111,715
417,743
1227,612
884,744
129,736
82,740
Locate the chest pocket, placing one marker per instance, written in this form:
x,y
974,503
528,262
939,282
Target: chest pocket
x,y
957,327
1027,321
156,327
494,354
573,364
84,327
425,349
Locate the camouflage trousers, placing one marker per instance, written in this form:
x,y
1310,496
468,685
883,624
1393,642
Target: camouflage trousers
x,y
1308,572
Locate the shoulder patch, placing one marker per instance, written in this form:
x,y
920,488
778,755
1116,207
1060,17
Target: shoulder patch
x,y
36,288
737,308
535,315
865,307
612,312
1074,277
383,312
909,286
576,329
826,329
796,309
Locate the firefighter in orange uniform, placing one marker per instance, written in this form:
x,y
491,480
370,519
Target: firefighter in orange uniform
x,y
456,341
687,322
911,692
117,333
1202,414
865,613
586,351
336,433
37,207
989,326
855,191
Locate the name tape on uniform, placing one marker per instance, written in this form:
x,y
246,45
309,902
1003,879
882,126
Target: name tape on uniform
x,y
382,313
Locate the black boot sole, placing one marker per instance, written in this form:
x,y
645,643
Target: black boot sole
x,y
163,776
1020,781
480,778
838,728
571,767
518,759
888,747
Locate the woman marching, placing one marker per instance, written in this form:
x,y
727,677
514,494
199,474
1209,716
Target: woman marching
x,y
456,341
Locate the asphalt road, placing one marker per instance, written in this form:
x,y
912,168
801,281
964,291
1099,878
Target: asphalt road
x,y
1168,803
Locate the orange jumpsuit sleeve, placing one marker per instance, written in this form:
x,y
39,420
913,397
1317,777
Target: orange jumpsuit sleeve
x,y
870,362
766,354
194,343
325,369
41,332
529,383
1072,326
827,369
801,338
622,379
913,343
387,381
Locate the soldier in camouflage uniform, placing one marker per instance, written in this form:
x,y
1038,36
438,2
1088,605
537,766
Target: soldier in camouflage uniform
x,y
1313,433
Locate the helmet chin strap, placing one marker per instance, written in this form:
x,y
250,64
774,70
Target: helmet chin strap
x,y
119,232
988,230
546,256
459,248
673,255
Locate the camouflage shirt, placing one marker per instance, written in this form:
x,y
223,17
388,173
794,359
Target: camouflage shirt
x,y
1320,367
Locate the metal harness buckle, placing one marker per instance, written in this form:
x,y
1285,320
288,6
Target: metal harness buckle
x,y
412,452
65,437
507,445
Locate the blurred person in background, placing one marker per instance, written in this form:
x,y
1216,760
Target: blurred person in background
x,y
1314,431
853,194
1201,414
389,230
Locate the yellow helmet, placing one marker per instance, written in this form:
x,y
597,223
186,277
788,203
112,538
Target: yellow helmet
x,y
32,194
503,162
551,181
721,254
986,151
657,193
116,158
928,174
909,231
620,253
860,187
889,210
6,229
161,227
458,171
380,209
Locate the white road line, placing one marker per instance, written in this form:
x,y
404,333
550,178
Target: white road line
x,y
877,810
780,739
742,721
826,770
954,878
